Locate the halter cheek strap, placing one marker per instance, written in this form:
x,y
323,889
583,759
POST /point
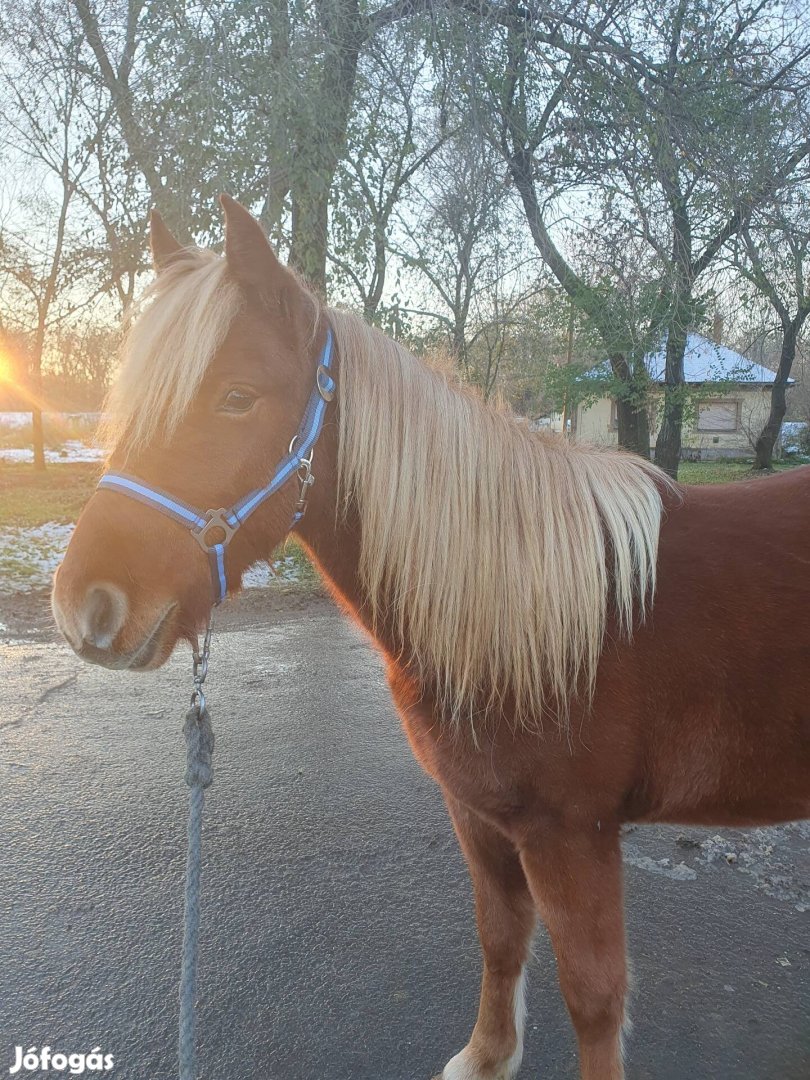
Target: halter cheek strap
x,y
214,529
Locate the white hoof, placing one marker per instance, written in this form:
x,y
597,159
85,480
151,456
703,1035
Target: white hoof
x,y
464,1067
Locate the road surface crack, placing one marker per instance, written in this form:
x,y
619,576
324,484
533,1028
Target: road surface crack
x,y
41,698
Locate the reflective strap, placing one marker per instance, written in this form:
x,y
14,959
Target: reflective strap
x,y
216,561
152,496
308,432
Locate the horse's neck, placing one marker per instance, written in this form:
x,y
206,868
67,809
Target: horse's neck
x,y
333,539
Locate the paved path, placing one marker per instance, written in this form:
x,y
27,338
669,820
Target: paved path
x,y
338,933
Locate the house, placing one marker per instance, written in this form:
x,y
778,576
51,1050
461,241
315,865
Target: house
x,y
729,403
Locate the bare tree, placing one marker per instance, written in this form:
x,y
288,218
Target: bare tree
x,y
256,96
469,272
393,133
678,106
40,97
773,255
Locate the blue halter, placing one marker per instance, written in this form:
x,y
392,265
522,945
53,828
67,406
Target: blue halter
x,y
214,529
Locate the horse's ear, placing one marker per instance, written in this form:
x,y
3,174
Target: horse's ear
x,y
250,257
165,246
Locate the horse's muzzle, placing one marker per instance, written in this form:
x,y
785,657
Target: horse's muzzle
x,y
95,628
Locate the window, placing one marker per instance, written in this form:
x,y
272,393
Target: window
x,y
614,415
718,416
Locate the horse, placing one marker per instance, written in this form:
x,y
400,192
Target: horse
x,y
572,641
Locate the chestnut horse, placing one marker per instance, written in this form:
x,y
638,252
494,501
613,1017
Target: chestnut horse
x,y
572,641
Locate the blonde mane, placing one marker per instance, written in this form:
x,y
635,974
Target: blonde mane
x,y
496,552
172,334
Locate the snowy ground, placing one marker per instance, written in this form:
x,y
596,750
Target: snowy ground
x,y
73,450
70,435
29,556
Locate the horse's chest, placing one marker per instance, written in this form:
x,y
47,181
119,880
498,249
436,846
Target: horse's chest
x,y
490,779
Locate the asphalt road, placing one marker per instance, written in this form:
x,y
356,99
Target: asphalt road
x,y
338,935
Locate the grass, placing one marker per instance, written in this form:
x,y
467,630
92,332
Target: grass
x,y
29,498
721,472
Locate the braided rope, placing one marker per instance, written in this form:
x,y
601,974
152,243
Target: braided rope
x,y
199,774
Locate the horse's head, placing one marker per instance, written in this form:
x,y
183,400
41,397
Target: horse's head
x,y
218,370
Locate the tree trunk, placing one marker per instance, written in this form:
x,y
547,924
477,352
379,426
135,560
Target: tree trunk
x,y
321,146
38,439
35,389
631,411
763,451
310,219
633,424
668,443
634,427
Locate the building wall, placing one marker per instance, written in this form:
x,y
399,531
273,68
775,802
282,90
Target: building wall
x,y
596,424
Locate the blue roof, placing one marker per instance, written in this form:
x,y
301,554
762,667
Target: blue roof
x,y
705,361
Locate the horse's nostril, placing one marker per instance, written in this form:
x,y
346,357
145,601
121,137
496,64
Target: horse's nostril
x,y
103,614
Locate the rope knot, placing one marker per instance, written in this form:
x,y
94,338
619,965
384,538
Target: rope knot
x,y
199,747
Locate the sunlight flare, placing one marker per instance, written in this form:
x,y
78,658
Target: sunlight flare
x,y
7,373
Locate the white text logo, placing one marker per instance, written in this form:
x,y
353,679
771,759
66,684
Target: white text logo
x,y
47,1060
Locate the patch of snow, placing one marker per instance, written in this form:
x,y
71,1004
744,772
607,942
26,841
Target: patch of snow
x,y
767,855
262,574
14,419
680,872
72,451
29,556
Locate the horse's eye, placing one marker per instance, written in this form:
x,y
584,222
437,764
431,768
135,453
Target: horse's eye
x,y
238,401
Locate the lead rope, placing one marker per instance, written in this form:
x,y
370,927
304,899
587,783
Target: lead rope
x,y
199,774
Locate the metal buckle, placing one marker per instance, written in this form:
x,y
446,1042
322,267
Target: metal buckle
x,y
214,519
322,380
201,667
306,480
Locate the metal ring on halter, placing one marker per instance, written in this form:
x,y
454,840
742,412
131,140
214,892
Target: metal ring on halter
x,y
305,460
325,383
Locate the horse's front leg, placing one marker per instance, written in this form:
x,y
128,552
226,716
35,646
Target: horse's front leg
x,y
506,918
575,875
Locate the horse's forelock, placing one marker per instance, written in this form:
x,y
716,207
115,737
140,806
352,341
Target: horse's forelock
x,y
172,334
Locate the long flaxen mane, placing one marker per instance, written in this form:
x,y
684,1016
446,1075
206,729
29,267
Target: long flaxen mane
x,y
496,553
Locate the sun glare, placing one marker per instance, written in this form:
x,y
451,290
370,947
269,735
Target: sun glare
x,y
6,368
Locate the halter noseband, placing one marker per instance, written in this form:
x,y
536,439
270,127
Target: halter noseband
x,y
214,529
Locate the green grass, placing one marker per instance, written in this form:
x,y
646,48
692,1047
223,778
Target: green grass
x,y
29,498
721,472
